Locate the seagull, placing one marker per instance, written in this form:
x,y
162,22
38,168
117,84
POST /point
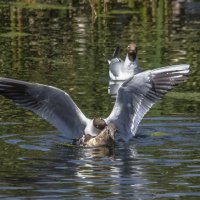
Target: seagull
x,y
134,99
120,70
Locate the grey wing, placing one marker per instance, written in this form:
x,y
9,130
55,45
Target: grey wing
x,y
138,94
115,66
50,103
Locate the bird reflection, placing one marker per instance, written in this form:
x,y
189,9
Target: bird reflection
x,y
97,172
121,166
102,152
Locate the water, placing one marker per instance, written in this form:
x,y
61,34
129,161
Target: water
x,y
65,45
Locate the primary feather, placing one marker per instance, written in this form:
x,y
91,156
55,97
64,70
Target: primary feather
x,y
139,93
50,103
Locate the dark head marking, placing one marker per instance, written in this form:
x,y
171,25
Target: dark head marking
x,y
132,51
99,123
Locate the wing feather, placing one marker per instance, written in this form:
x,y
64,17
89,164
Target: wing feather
x,y
138,94
50,103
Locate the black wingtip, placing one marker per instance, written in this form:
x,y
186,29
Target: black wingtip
x,y
116,52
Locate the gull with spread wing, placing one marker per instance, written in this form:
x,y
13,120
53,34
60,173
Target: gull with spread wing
x,y
120,70
135,97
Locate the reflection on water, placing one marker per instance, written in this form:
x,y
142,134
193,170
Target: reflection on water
x,y
67,44
165,164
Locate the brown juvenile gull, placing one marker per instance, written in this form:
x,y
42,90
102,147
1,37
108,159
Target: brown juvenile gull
x,y
135,97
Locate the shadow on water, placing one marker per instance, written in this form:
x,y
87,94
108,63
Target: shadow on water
x,y
66,44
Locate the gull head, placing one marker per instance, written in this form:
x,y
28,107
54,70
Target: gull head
x,y
99,123
132,51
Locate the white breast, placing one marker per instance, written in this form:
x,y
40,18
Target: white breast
x,y
90,129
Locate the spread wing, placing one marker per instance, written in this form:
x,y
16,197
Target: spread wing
x,y
139,93
50,103
115,66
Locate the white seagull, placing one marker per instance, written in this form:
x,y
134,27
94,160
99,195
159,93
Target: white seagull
x,y
120,70
135,97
